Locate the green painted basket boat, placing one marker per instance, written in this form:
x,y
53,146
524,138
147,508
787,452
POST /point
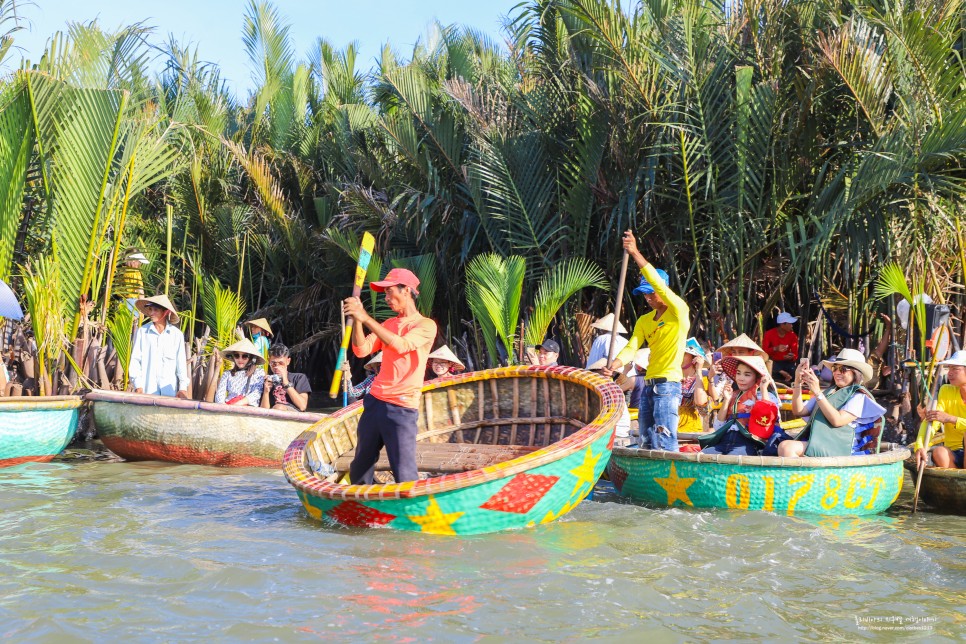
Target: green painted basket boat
x,y
139,427
505,448
36,429
943,489
852,485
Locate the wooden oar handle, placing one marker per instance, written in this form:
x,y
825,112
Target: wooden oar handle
x,y
617,310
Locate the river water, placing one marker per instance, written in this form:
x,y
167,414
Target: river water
x,y
155,552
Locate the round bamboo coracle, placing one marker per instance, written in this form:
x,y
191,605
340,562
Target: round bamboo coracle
x,y
138,427
942,488
36,429
851,485
501,449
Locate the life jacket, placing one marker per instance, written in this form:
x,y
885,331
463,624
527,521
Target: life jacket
x,y
737,421
825,440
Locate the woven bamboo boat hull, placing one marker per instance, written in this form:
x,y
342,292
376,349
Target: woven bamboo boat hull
x,y
157,428
559,421
854,485
36,429
943,489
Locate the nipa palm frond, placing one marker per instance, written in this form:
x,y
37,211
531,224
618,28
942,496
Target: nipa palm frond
x,y
560,284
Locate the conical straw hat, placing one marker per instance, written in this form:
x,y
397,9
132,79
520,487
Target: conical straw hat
x,y
162,301
245,346
376,359
744,342
444,353
262,324
606,323
730,365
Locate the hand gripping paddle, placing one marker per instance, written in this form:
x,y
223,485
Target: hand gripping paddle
x,y
365,254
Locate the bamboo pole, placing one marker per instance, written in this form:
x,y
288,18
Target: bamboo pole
x,y
617,310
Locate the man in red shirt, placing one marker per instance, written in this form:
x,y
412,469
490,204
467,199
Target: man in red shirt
x,y
781,345
391,407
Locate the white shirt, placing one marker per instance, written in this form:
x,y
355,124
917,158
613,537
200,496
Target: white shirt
x,y
158,362
601,346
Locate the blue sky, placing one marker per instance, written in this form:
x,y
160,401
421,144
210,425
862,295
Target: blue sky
x,y
215,25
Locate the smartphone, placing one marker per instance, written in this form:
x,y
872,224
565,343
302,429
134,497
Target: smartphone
x,y
805,363
716,356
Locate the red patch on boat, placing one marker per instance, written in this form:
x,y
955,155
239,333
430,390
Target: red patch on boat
x,y
522,493
132,450
356,515
10,462
617,475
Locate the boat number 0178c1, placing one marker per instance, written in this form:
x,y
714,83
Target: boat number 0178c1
x,y
853,494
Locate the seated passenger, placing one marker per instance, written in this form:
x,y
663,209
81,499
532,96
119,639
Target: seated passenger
x,y
601,345
739,346
732,430
843,418
372,367
443,362
951,411
242,384
289,391
694,394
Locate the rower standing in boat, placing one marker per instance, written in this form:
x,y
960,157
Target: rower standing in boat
x,y
158,364
665,331
951,412
390,409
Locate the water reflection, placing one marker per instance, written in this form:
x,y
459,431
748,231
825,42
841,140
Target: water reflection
x,y
164,552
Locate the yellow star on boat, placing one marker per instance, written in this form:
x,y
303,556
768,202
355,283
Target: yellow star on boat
x,y
435,521
676,488
585,471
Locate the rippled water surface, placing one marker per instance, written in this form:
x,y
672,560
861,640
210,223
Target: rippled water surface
x,y
149,551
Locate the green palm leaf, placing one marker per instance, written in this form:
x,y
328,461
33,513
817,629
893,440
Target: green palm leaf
x,y
558,285
493,288
16,143
119,328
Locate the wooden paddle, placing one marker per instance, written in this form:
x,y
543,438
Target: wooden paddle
x,y
934,398
617,310
365,255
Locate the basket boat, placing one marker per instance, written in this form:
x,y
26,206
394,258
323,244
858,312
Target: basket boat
x,y
139,427
36,429
943,489
850,485
501,449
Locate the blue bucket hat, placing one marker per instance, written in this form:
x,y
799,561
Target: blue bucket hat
x,y
645,287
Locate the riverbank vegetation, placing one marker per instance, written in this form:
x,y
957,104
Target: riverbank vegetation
x,y
763,151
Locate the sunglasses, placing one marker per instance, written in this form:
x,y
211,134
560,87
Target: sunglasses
x,y
237,356
838,368
153,307
276,363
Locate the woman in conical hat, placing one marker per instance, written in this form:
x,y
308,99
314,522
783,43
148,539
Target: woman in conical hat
x,y
694,394
259,329
443,361
742,346
738,426
244,382
601,344
372,368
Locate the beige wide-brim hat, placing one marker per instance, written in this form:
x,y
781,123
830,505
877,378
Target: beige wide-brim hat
x,y
606,323
245,346
744,342
730,364
163,302
262,324
444,353
851,358
376,359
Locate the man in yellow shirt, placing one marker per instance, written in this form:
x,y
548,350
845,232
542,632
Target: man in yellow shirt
x,y
665,331
951,411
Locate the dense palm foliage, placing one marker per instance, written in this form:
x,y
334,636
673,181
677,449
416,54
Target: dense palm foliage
x,y
762,150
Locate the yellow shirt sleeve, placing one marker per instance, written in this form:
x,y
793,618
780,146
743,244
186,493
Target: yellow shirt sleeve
x,y
633,344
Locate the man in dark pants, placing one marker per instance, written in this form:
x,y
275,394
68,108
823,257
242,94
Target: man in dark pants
x,y
390,409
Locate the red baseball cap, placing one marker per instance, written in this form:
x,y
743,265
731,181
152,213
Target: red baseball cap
x,y
397,277
761,423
